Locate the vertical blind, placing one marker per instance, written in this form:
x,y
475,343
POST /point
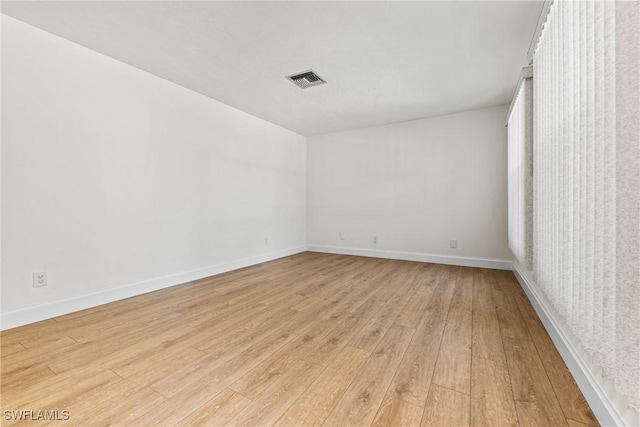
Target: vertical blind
x,y
520,172
586,180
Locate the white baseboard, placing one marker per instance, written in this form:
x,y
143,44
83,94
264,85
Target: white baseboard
x,y
12,319
604,410
497,264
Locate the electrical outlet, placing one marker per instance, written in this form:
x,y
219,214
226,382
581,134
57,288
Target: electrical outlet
x,y
453,244
341,235
375,240
39,279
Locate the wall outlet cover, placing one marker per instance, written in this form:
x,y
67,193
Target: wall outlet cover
x,y
39,279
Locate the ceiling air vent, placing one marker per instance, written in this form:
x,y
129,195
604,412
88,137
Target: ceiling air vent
x,y
306,79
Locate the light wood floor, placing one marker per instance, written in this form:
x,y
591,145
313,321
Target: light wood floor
x,y
306,340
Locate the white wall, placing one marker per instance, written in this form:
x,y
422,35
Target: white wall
x,y
415,185
112,176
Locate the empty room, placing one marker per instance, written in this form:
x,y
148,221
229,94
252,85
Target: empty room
x,y
297,213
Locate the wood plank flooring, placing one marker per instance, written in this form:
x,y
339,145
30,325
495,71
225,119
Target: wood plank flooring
x,y
308,340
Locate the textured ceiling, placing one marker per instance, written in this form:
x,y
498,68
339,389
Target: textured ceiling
x,y
384,62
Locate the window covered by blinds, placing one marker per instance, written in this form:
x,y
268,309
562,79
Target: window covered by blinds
x,y
586,191
519,165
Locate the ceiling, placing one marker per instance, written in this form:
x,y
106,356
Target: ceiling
x,y
384,62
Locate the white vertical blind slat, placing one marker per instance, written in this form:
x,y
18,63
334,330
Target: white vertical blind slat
x,y
626,370
598,232
590,173
607,350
